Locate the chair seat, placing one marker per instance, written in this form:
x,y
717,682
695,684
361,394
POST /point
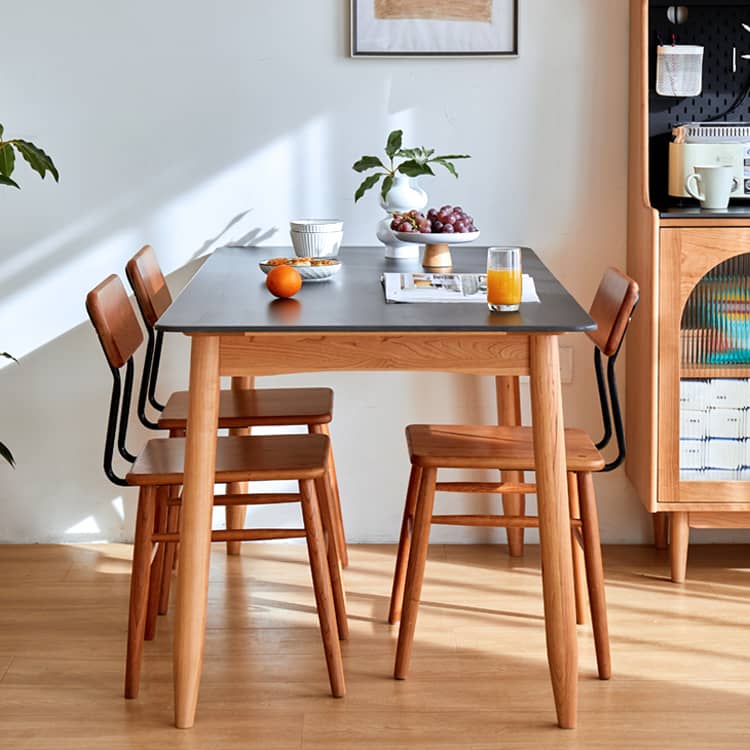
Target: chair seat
x,y
252,408
238,459
492,447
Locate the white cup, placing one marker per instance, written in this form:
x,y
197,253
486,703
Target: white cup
x,y
712,185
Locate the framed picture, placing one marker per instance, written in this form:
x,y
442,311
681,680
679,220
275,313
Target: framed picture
x,y
434,28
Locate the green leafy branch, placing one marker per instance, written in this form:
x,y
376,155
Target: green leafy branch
x,y
36,158
41,163
416,162
4,450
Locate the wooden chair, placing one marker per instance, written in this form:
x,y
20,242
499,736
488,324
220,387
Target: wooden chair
x,y
158,470
239,408
433,447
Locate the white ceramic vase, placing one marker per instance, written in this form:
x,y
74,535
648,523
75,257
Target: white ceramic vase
x,y
403,196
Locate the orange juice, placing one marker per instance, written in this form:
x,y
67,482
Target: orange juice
x,y
504,286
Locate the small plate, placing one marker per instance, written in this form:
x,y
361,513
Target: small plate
x,y
309,273
457,238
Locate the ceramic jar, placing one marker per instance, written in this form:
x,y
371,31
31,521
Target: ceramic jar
x,y
403,196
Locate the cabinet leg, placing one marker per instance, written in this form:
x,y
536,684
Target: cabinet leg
x,y
661,530
679,545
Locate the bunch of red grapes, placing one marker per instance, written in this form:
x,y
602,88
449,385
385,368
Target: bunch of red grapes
x,y
444,220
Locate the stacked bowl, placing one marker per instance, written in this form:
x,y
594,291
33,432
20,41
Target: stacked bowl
x,y
316,238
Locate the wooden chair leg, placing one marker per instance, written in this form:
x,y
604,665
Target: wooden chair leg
x,y
661,530
508,401
322,587
678,547
338,516
170,557
178,526
156,577
579,564
235,514
325,503
415,572
404,545
139,579
175,554
595,573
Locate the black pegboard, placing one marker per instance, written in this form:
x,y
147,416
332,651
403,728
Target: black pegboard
x,y
717,28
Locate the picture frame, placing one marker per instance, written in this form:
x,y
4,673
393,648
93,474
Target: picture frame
x,y
434,28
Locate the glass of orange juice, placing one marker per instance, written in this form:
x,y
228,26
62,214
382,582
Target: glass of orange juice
x,y
504,279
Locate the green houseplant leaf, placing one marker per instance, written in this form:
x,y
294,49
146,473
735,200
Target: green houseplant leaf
x,y
6,454
387,185
367,183
448,166
367,162
413,168
38,160
7,160
409,153
393,145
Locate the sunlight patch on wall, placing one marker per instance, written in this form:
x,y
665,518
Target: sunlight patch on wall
x,y
250,202
53,302
117,504
86,526
282,179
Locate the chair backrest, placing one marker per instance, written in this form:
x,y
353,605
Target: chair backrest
x,y
120,335
113,317
612,307
149,285
153,298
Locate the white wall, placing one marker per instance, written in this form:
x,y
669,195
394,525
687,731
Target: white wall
x,y
168,120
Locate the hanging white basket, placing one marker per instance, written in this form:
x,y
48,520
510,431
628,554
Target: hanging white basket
x,y
679,70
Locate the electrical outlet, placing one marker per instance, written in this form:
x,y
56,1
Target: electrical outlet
x,y
566,364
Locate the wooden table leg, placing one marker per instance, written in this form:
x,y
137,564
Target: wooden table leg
x,y
195,534
554,525
235,514
508,393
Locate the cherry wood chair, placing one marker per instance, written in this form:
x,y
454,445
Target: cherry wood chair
x,y
158,471
240,409
434,447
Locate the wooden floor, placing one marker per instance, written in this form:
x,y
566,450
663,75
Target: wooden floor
x,y
479,680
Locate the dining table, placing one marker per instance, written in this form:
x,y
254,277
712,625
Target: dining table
x,y
344,324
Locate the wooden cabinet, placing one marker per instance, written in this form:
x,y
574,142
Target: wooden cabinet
x,y
669,255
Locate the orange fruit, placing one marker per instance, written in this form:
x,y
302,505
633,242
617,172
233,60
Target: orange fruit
x,y
283,281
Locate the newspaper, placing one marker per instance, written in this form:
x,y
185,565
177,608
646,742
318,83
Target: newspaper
x,y
445,287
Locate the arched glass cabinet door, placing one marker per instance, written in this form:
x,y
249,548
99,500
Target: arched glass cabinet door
x,y
715,327
715,351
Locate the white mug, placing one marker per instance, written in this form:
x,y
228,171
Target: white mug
x,y
712,185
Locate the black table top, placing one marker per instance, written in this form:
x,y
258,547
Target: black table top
x,y
228,295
